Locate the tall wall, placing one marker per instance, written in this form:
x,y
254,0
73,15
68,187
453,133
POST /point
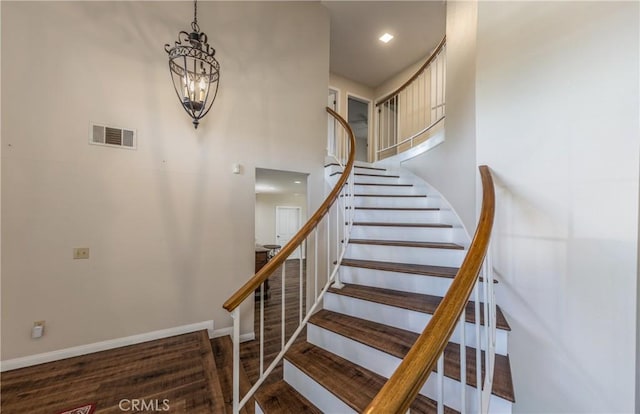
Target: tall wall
x,y
557,102
169,226
450,167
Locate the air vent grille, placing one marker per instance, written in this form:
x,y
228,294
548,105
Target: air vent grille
x,y
112,136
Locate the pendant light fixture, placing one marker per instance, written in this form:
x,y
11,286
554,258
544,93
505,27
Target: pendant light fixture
x,y
194,70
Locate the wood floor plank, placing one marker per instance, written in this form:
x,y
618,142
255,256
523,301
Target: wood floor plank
x,y
280,397
402,243
417,269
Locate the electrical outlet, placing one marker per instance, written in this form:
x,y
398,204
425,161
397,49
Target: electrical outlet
x,y
81,253
38,329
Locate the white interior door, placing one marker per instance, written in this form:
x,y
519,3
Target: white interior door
x,y
287,225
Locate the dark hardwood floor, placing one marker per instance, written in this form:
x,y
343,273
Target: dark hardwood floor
x,y
179,369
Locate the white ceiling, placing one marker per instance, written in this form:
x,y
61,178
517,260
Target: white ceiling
x,y
280,182
356,52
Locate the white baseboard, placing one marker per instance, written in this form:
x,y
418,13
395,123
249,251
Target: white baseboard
x,y
250,336
36,359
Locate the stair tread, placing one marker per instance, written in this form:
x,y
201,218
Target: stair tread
x,y
400,208
401,243
353,384
357,166
398,342
385,184
376,175
281,398
392,195
417,269
417,302
391,224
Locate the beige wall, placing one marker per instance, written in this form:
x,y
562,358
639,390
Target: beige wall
x,y
266,213
170,227
347,86
557,104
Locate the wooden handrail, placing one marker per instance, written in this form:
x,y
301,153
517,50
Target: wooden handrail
x,y
267,270
415,75
402,388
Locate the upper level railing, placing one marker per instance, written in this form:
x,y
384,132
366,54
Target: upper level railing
x,y
406,382
406,115
320,243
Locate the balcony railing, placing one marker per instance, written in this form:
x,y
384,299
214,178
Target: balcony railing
x,y
406,116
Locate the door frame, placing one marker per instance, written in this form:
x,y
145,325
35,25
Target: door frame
x,y
370,137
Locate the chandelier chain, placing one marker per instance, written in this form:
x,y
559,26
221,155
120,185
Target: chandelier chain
x,y
195,25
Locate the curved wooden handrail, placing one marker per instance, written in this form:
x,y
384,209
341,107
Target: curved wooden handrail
x,y
402,388
415,75
267,270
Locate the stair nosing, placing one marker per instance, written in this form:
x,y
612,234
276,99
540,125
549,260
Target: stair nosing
x,y
393,224
400,208
428,270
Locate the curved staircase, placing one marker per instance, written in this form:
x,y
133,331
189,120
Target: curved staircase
x,y
405,247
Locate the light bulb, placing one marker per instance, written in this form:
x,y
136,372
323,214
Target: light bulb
x,y
203,88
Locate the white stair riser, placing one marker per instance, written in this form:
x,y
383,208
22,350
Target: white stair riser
x,y
386,189
314,392
397,202
258,410
405,282
385,364
403,254
402,216
382,178
427,234
405,319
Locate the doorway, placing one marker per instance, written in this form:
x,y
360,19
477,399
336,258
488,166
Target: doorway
x,y
278,194
358,119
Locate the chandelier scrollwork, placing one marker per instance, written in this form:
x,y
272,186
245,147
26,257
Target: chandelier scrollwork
x,y
194,70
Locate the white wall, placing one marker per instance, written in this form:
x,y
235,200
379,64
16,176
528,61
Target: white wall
x,y
266,213
450,167
169,226
557,107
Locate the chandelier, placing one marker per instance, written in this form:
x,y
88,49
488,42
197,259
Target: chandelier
x,y
194,70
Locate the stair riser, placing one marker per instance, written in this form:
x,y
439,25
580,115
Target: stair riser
x,y
380,189
312,391
400,216
402,254
421,202
405,282
432,234
404,319
385,364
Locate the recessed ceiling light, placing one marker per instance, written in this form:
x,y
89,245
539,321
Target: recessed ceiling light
x,y
386,37
297,182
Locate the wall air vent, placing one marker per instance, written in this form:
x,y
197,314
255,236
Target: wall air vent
x,y
112,136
